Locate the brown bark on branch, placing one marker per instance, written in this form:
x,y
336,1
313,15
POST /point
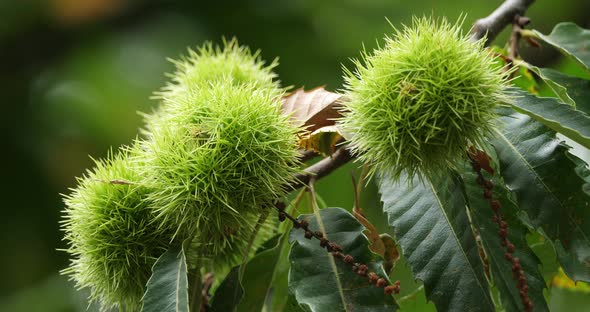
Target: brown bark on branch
x,y
491,25
321,168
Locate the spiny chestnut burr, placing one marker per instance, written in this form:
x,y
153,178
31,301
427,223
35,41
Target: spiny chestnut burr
x,y
204,136
408,99
102,260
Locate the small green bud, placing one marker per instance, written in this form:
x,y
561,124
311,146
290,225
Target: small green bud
x,y
418,102
111,241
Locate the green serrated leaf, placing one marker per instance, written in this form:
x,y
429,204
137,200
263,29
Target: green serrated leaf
x,y
578,89
167,288
500,268
432,227
229,294
549,187
546,75
571,40
563,118
323,283
258,275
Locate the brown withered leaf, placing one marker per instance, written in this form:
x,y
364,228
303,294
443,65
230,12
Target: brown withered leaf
x,y
391,254
313,109
375,243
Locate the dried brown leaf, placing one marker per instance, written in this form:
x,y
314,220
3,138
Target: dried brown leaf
x,y
313,109
375,243
391,254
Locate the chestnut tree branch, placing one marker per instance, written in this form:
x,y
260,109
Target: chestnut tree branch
x,y
321,168
491,25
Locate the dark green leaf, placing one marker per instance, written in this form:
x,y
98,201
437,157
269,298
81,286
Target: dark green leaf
x,y
577,89
167,288
546,75
291,305
432,227
323,283
549,186
258,275
571,90
571,40
558,116
500,268
229,294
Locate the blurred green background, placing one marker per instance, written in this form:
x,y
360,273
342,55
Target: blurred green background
x,y
74,74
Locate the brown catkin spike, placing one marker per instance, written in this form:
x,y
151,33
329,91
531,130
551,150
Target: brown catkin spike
x,y
503,233
336,251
